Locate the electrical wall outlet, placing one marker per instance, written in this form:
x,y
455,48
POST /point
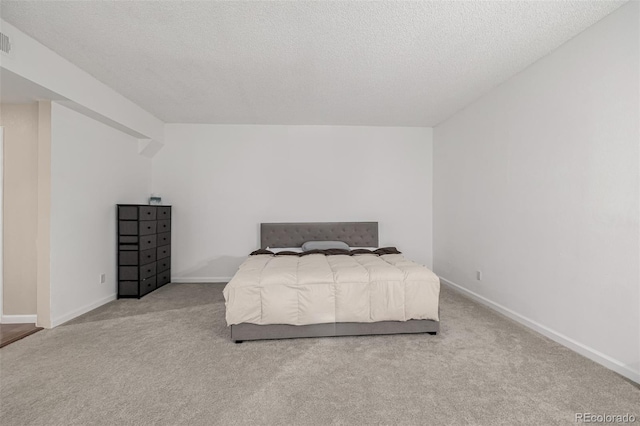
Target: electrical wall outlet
x,y
479,275
103,278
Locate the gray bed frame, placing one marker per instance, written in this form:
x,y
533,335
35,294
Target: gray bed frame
x,y
356,234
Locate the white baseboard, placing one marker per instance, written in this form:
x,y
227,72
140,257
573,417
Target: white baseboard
x,y
83,310
584,350
18,319
207,280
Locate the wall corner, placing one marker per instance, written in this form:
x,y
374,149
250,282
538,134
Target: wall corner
x,y
43,241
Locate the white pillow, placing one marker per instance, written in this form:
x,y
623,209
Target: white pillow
x,y
324,245
278,250
299,249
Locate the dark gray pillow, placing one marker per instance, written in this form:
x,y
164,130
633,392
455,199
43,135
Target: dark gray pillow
x,y
324,245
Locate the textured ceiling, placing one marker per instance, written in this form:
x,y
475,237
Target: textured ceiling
x,y
367,63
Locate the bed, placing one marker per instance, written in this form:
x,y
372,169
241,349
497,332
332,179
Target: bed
x,y
329,293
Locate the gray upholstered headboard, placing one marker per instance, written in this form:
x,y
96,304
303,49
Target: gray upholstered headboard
x,y
356,234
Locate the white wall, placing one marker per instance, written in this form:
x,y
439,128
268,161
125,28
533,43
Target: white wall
x,y
93,167
223,181
537,185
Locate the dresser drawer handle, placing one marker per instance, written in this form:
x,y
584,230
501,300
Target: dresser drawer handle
x,y
148,270
148,256
148,212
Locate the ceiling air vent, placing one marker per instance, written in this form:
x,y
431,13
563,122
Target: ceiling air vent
x,y
5,43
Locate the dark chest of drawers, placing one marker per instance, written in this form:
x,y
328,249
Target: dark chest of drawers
x,y
144,249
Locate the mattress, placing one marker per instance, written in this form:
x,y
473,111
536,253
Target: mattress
x,y
318,288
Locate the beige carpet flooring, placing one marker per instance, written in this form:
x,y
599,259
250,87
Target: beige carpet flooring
x,y
167,360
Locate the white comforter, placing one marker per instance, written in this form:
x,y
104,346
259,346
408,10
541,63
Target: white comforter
x,y
316,289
